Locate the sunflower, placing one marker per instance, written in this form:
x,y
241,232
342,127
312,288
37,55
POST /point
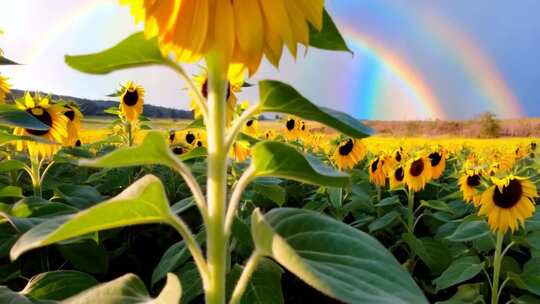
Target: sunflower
x,y
172,137
241,30
179,150
234,85
240,150
396,178
508,203
251,127
4,88
49,114
438,163
376,173
417,173
74,116
292,128
348,153
468,185
270,134
190,138
132,101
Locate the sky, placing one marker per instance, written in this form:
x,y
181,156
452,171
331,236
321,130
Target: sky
x,y
422,59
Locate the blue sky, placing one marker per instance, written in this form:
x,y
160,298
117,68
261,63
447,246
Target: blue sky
x,y
505,33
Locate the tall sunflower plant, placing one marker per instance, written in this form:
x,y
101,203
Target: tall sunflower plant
x,y
231,38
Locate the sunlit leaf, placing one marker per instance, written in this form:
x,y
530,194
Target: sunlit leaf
x,y
332,257
279,97
134,51
282,160
329,38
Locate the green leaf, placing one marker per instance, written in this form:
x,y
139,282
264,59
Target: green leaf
x,y
12,116
80,196
264,286
384,221
459,271
85,255
128,289
9,296
143,202
154,150
192,286
270,158
275,193
197,152
433,252
279,97
329,38
531,276
469,230
466,294
437,205
336,197
332,257
134,51
11,165
11,191
58,285
388,201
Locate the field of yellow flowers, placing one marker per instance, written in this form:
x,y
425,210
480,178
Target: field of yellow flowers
x,y
310,208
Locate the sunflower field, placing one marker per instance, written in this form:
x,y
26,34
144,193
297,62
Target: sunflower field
x,y
229,210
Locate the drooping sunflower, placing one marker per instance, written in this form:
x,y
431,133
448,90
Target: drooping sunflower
x,y
240,151
438,163
376,172
74,116
508,203
468,185
417,173
5,87
234,85
242,31
132,101
51,115
396,177
348,153
292,128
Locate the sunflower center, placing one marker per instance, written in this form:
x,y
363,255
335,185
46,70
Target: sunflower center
x,y
435,158
290,124
41,115
178,150
374,165
78,143
199,143
509,196
70,114
417,167
303,128
172,135
190,138
398,174
473,180
346,148
204,89
398,156
131,97
249,123
533,146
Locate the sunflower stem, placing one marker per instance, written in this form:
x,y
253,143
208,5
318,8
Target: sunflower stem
x,y
240,288
216,182
129,134
410,222
35,175
244,180
239,123
497,259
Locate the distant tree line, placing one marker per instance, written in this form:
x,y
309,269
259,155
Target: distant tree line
x,y
96,107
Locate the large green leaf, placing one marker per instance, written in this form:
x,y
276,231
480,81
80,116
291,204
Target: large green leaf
x,y
329,38
12,116
133,51
531,276
272,158
152,151
433,252
264,287
80,196
128,289
143,202
85,255
279,97
58,285
338,260
470,230
192,285
459,271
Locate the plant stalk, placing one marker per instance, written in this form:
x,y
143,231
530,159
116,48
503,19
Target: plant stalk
x,y
497,259
410,221
243,281
216,182
35,176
